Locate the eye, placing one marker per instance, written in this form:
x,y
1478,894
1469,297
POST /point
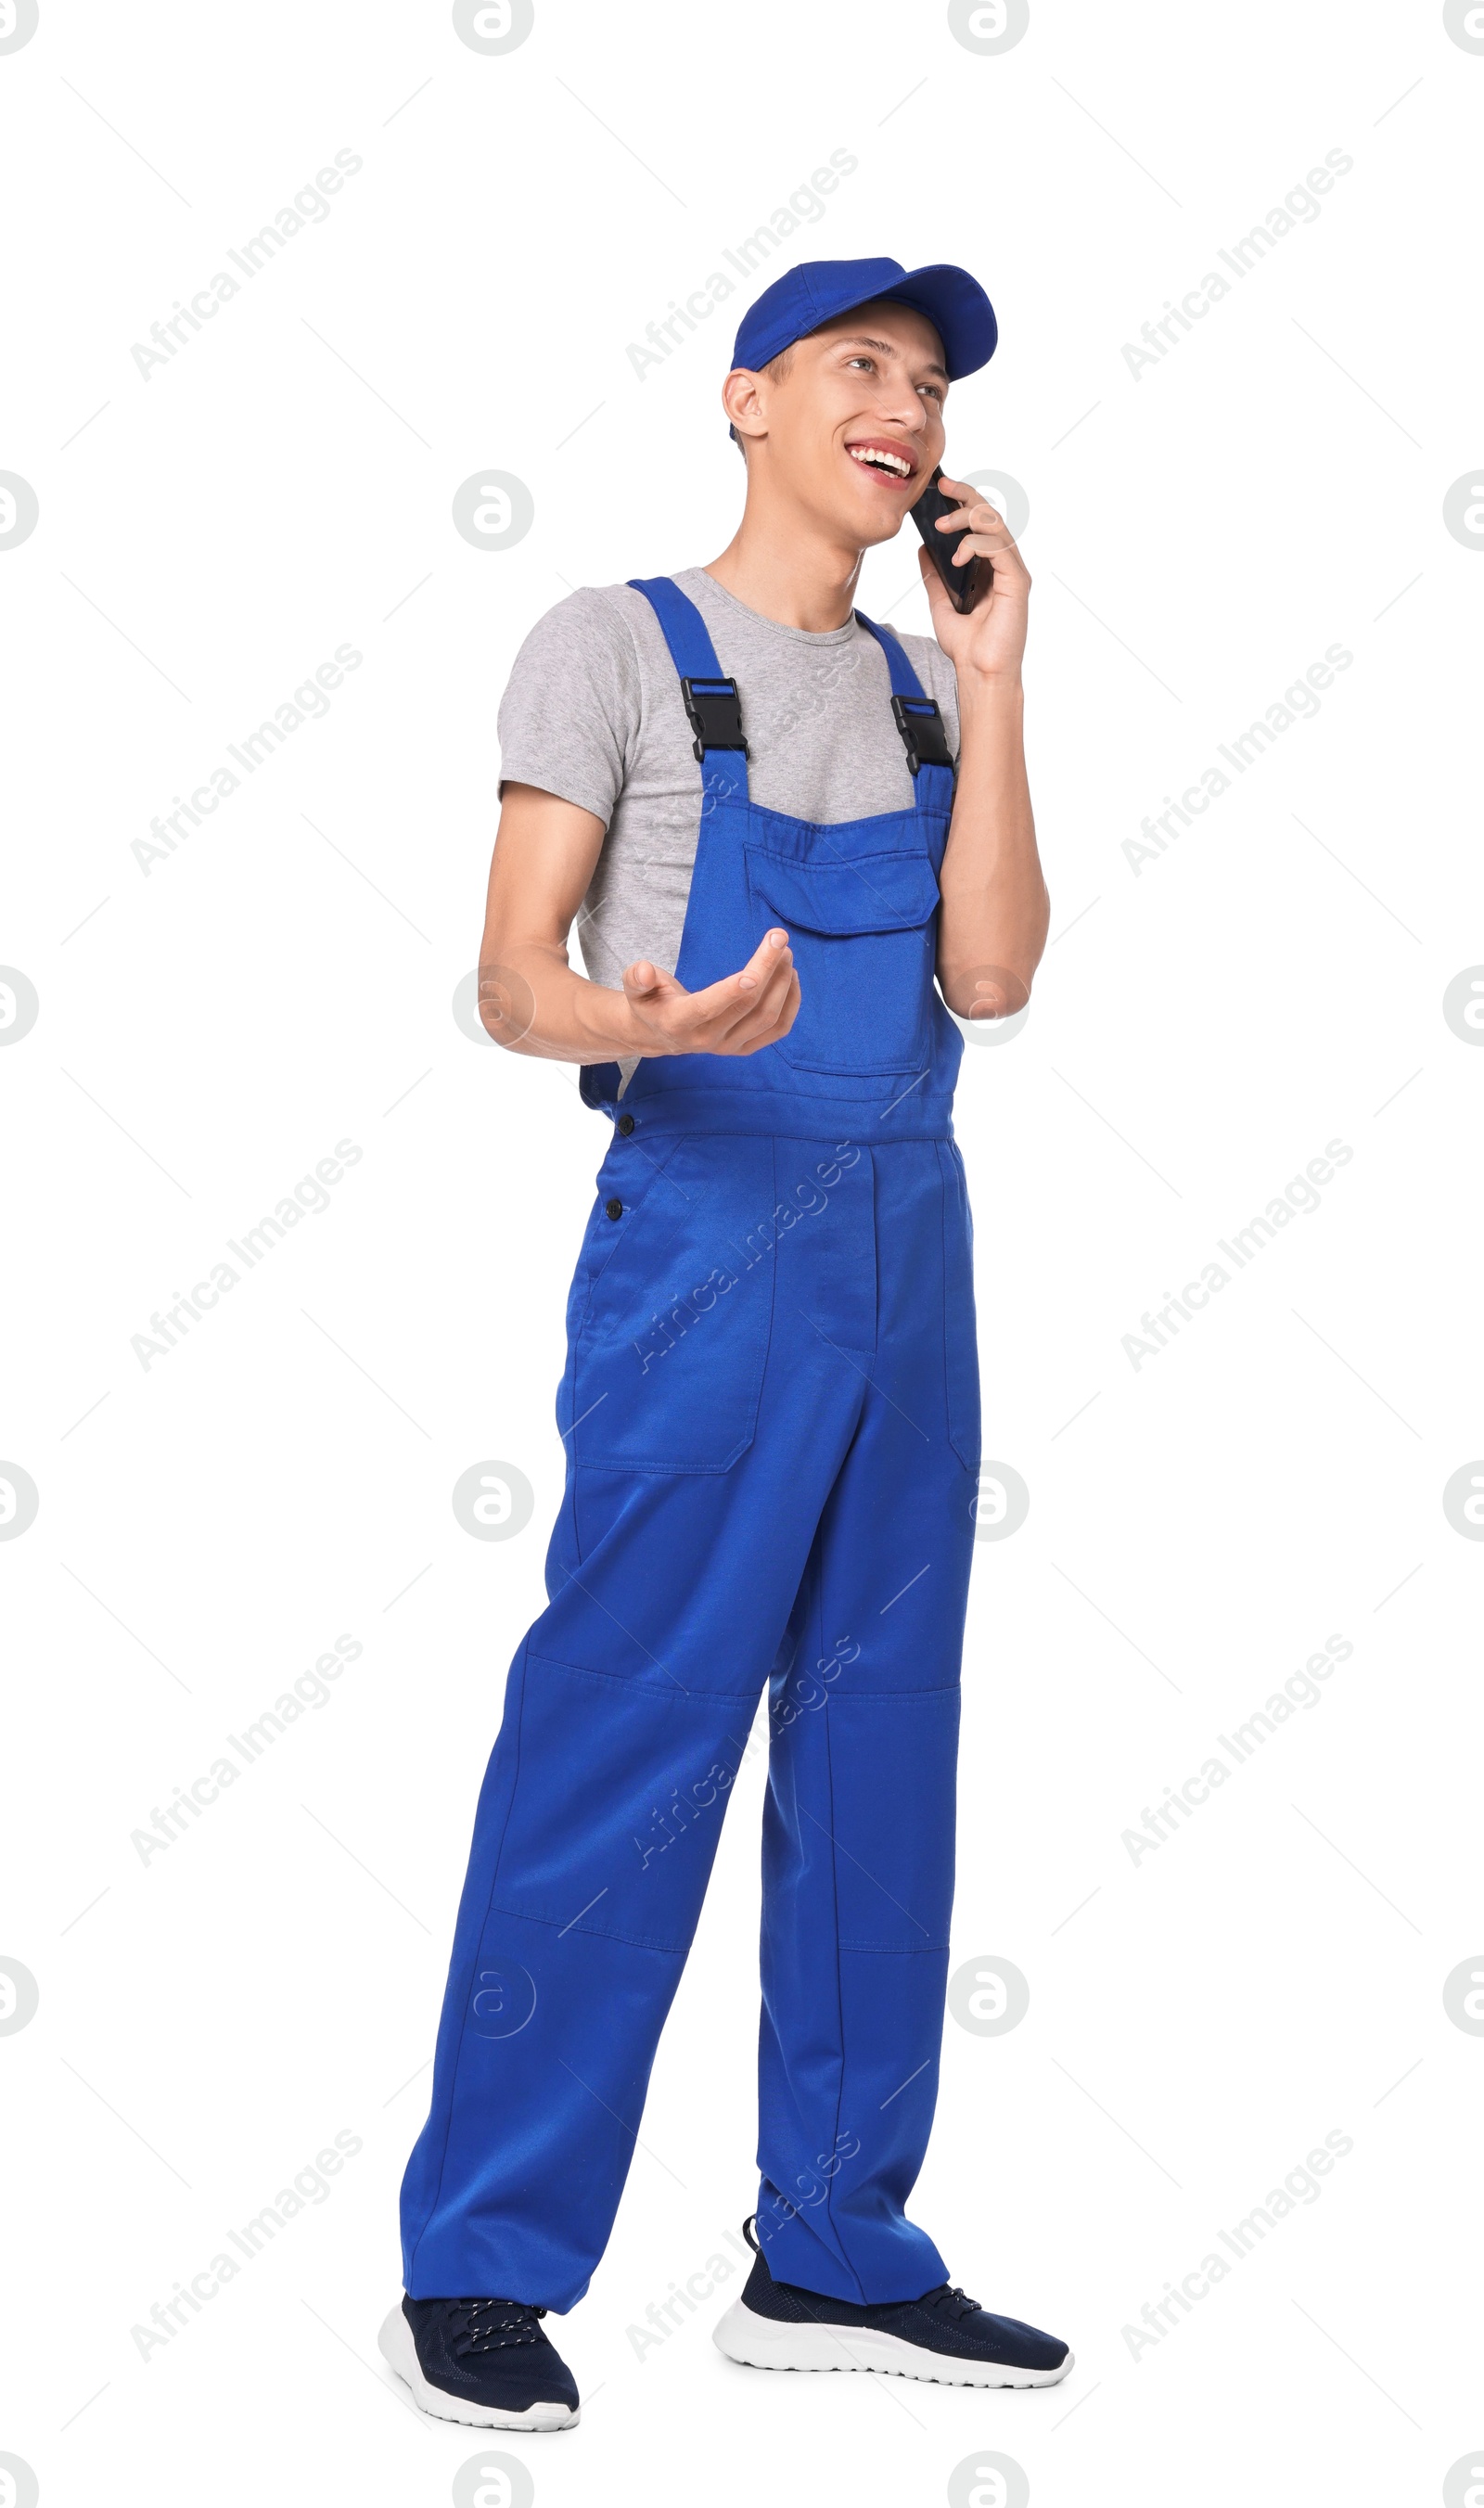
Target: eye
x,y
861,360
934,391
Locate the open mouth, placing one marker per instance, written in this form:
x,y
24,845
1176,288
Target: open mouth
x,y
892,463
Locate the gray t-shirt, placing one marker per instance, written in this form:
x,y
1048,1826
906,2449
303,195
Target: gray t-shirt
x,y
593,713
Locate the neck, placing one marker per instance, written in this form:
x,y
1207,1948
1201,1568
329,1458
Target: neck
x,y
788,565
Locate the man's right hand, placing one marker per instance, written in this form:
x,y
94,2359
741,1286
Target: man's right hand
x,y
533,1002
740,1015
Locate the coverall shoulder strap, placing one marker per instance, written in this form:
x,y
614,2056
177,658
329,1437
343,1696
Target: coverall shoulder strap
x,y
713,707
681,625
905,681
917,719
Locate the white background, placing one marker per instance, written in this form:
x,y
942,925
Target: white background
x,y
1201,1028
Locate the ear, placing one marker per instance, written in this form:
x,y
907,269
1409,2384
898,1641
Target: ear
x,y
742,398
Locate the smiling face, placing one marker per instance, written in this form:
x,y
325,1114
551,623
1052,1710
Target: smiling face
x,y
847,423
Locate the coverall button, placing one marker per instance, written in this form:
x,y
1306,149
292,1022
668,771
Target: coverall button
x,y
613,1208
625,1124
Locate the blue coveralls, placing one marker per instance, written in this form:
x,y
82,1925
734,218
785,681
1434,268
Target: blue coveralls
x,y
770,1409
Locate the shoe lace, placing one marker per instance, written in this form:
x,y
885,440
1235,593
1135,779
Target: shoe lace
x,y
493,2324
948,2299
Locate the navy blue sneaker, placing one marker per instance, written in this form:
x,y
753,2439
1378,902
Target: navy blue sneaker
x,y
942,2336
480,2360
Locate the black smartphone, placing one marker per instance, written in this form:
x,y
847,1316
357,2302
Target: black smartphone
x,y
963,583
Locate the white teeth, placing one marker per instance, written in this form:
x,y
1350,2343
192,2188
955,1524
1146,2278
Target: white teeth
x,y
874,457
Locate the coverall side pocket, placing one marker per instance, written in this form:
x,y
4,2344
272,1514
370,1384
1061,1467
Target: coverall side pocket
x,y
668,1356
960,1337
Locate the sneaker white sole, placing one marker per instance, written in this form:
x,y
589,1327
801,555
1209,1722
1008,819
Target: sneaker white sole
x,y
764,2342
400,2354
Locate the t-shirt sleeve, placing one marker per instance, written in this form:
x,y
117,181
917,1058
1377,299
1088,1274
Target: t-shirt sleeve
x,y
570,715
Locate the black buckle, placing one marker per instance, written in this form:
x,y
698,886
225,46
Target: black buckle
x,y
923,737
714,712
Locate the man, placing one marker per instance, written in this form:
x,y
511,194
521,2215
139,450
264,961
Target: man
x,y
770,1406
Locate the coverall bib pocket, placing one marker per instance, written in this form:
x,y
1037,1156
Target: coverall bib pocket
x,y
862,932
666,1358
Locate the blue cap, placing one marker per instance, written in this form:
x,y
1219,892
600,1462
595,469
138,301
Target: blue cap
x,y
817,292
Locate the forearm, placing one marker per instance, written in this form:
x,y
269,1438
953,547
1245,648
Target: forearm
x,y
533,1002
995,909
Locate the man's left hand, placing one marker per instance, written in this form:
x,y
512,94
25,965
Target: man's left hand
x,y
989,640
